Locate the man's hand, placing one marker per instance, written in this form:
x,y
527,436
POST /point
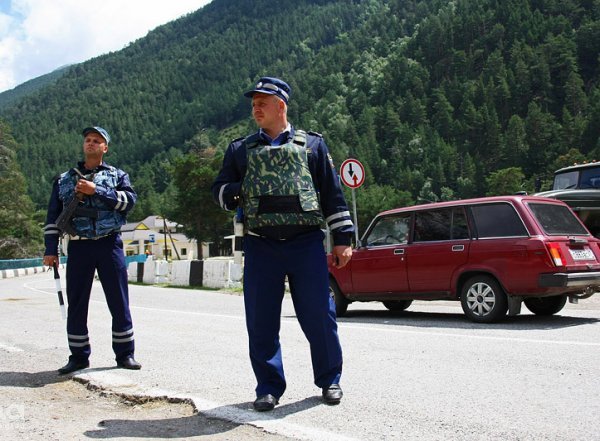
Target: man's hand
x,y
85,187
50,260
341,255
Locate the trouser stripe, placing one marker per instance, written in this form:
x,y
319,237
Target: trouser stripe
x,y
78,341
122,337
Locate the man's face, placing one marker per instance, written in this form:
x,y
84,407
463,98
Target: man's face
x,y
94,144
267,110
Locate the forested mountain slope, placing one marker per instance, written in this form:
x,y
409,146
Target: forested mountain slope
x,y
162,89
439,99
29,87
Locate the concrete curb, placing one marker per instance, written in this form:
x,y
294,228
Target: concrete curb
x,y
122,386
10,273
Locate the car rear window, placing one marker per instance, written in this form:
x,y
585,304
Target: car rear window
x,y
443,224
557,220
497,220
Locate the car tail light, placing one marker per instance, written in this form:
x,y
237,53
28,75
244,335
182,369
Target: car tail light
x,y
556,254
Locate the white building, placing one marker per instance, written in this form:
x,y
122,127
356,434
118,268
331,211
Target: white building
x,y
157,236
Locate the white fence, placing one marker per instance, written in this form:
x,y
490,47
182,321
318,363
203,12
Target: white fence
x,y
216,272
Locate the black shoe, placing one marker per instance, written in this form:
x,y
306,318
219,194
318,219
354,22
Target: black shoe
x,y
333,394
265,403
73,366
129,363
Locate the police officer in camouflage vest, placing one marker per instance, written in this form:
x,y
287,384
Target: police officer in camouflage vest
x,y
106,197
286,183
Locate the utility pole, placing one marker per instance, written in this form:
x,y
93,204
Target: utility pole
x,y
165,233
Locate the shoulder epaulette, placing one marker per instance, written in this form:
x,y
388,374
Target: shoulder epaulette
x,y
300,138
237,139
310,132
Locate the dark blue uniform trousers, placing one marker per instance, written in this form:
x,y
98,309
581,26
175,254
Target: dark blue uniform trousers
x,y
266,264
106,256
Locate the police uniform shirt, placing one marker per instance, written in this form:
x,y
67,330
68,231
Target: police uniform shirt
x,y
121,198
227,185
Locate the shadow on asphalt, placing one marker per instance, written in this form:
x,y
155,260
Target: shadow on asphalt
x,y
183,427
43,378
31,379
459,321
199,424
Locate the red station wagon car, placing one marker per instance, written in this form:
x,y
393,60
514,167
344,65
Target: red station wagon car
x,y
490,253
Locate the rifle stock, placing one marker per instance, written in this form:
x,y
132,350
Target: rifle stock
x,y
63,221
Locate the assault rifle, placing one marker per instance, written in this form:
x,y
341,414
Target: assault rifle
x,y
63,221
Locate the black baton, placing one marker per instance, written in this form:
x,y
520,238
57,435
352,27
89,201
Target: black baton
x,y
61,301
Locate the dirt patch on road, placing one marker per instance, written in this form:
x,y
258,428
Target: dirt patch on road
x,y
44,406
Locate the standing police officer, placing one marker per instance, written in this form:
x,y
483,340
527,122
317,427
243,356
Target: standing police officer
x,y
285,181
106,196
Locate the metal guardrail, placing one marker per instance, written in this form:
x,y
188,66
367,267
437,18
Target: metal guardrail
x,y
135,258
24,263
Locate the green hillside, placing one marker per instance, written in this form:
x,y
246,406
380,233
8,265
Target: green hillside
x,y
29,87
182,77
439,99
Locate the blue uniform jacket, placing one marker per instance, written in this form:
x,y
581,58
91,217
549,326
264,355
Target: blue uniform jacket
x,y
121,198
226,188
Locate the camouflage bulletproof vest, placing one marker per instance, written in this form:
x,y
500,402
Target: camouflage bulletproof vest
x,y
107,219
278,188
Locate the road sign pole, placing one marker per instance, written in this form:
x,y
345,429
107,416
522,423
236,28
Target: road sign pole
x,y
352,174
355,217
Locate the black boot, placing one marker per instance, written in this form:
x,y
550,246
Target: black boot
x,y
72,366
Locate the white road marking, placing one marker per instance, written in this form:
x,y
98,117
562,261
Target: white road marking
x,y
28,286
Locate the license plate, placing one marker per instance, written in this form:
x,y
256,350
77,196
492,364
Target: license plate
x,y
582,254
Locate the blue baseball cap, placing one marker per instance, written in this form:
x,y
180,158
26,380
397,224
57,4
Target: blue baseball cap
x,y
99,130
271,86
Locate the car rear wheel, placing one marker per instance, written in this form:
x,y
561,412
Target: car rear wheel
x,y
546,305
483,300
341,303
397,305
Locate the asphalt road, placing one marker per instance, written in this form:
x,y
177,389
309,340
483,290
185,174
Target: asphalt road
x,y
426,374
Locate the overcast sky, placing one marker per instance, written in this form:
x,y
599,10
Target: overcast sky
x,y
39,36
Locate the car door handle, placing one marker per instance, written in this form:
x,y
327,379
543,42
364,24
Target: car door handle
x,y
458,247
398,251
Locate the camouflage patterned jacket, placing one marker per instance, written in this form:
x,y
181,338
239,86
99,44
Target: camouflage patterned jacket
x,y
114,196
233,181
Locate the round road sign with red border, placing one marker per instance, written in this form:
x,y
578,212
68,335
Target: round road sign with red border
x,y
352,173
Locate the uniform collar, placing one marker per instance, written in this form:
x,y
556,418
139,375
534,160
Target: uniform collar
x,y
102,166
280,139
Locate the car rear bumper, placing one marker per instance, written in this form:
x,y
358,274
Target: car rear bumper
x,y
570,279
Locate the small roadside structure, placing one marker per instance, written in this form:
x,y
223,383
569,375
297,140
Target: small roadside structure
x,y
158,237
